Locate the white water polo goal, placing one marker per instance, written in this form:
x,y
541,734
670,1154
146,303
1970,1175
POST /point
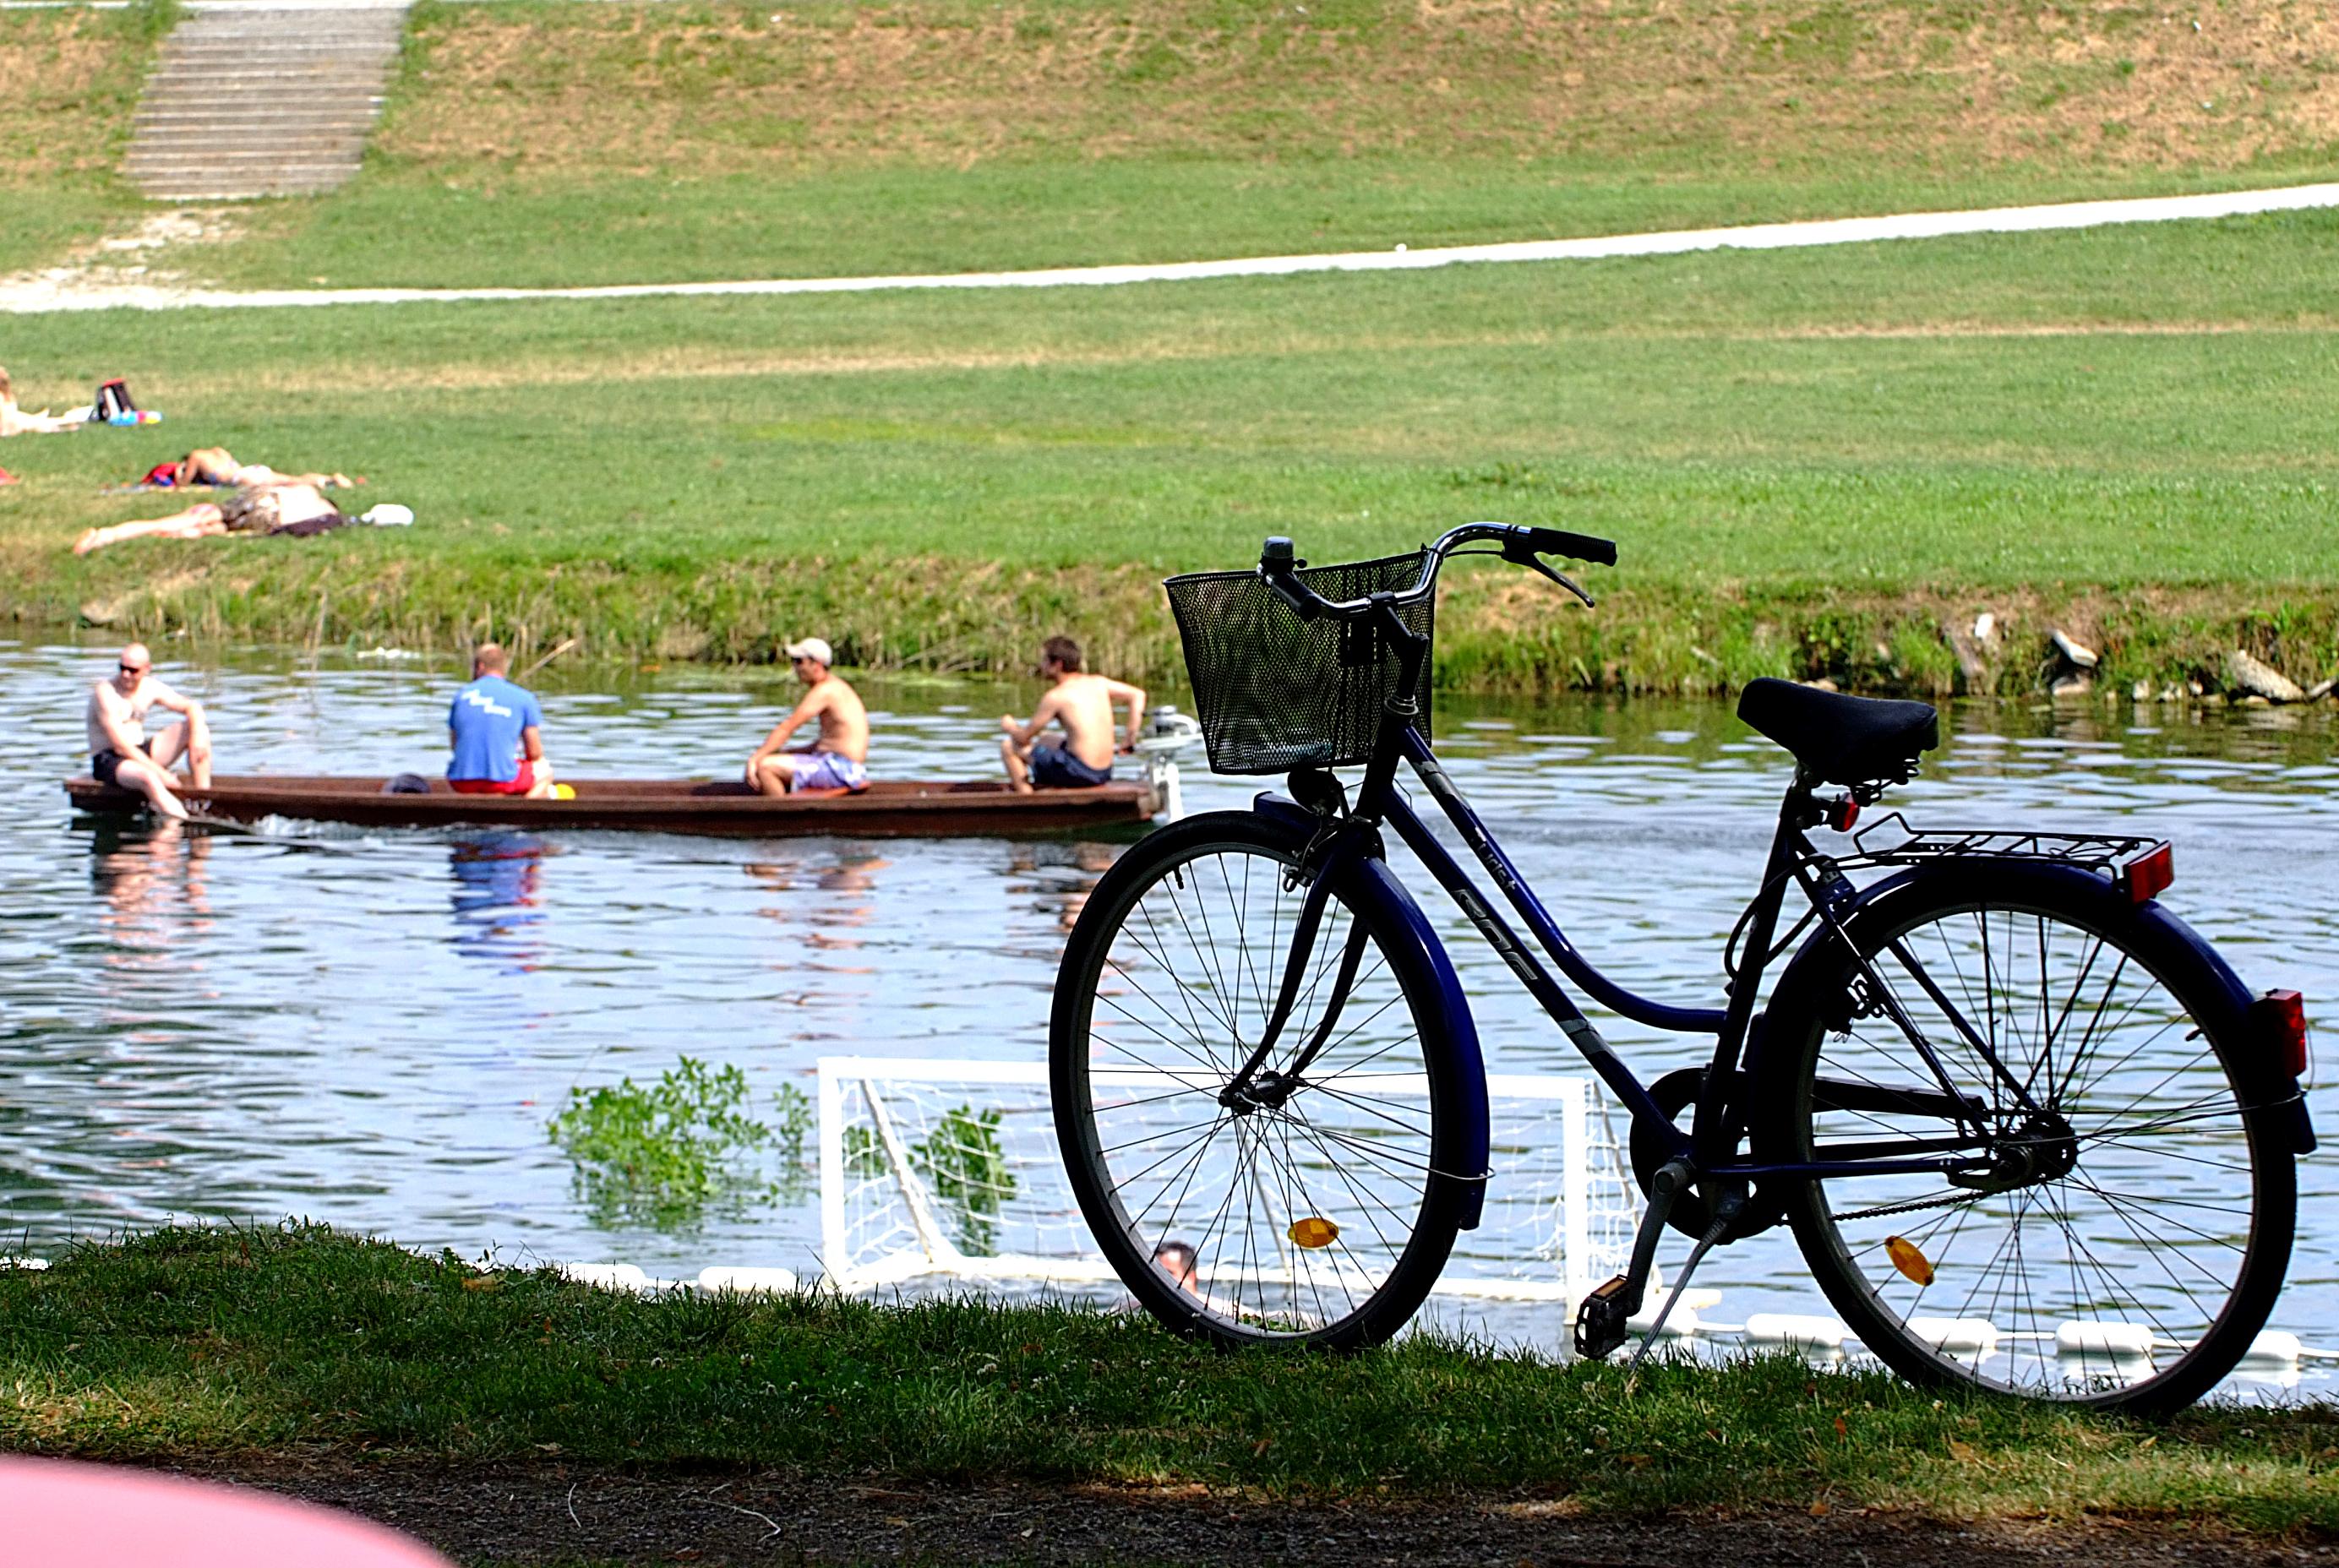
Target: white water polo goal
x,y
935,1172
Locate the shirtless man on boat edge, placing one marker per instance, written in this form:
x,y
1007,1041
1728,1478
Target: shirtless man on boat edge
x,y
122,754
1083,705
494,730
838,759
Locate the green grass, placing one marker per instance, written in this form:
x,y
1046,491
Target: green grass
x,y
69,79
223,1343
551,143
1806,456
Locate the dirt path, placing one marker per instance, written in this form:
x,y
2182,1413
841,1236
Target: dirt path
x,y
106,287
553,1511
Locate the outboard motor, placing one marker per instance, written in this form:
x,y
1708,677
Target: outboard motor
x,y
1167,733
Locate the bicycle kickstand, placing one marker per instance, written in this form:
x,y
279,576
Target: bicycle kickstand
x,y
1604,1321
1725,1212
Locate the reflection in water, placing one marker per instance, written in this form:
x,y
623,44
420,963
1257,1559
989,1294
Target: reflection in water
x,y
1058,877
496,899
151,881
822,924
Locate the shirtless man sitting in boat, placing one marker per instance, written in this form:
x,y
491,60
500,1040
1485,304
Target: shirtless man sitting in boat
x,y
122,754
1083,705
837,760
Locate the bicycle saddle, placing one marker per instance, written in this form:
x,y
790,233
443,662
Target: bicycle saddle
x,y
1843,740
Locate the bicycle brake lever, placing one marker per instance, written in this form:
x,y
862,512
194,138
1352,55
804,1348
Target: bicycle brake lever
x,y
1562,579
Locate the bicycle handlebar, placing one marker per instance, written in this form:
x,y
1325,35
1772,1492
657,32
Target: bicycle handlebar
x,y
1278,564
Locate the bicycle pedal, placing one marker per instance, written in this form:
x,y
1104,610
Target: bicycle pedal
x,y
1602,1324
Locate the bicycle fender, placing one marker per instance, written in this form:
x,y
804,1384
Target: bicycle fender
x,y
2157,931
1467,1163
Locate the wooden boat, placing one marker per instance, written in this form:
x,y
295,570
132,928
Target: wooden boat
x,y
888,808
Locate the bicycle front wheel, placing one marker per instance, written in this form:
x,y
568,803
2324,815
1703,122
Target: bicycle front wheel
x,y
1306,1213
2123,1228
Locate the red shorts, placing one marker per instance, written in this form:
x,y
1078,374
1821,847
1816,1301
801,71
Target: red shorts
x,y
520,783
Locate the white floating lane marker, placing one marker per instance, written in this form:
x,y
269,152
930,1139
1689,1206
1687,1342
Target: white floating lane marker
x,y
1958,1335
1796,1331
38,294
748,1281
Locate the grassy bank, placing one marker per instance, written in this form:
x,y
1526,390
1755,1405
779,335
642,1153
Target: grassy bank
x,y
69,79
211,1343
1817,463
736,139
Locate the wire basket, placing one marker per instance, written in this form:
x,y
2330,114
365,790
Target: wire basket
x,y
1277,693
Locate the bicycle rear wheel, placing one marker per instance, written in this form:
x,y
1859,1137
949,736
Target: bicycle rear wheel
x,y
1312,1218
2130,1235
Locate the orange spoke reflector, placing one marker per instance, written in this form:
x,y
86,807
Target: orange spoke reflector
x,y
1908,1259
1314,1231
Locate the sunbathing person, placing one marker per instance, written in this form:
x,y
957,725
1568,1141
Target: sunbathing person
x,y
1083,705
837,759
217,466
15,421
269,510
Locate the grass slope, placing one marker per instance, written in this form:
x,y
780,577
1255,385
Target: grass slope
x,y
69,79
531,143
209,1342
1813,461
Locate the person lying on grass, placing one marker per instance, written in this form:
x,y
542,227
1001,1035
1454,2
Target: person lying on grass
x,y
217,466
15,421
122,754
1083,705
838,759
298,510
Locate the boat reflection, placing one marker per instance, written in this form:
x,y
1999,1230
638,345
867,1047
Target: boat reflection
x,y
497,899
847,877
1058,877
151,880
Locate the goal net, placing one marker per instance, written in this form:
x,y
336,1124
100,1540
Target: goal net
x,y
948,1172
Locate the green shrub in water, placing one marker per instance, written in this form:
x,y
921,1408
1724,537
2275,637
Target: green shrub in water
x,y
665,1153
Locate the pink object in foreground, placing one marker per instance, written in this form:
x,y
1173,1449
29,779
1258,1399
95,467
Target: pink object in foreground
x,y
64,1514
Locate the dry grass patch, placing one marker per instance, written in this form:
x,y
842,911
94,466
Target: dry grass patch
x,y
1762,83
67,80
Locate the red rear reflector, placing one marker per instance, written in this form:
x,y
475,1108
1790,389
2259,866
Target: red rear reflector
x,y
2151,874
2283,1015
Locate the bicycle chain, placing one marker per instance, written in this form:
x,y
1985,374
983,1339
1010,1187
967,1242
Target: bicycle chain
x,y
1906,1208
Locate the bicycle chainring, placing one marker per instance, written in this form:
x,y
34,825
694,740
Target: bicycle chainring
x,y
1692,1211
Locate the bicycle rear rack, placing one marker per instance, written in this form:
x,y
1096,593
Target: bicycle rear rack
x,y
2120,857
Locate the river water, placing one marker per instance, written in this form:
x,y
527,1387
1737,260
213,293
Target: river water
x,y
373,1030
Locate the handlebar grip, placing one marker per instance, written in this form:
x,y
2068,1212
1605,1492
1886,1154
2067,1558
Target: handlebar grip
x,y
1575,546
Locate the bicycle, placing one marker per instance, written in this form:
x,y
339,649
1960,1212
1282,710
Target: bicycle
x,y
2029,1130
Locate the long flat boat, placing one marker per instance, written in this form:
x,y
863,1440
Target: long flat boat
x,y
888,808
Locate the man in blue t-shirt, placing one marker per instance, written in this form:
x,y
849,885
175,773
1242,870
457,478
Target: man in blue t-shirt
x,y
495,728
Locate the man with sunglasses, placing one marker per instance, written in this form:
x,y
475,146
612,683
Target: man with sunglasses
x,y
122,754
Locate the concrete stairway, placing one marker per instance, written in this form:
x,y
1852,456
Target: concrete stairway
x,y
248,101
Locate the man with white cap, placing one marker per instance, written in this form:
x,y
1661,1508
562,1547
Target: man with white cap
x,y
834,760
